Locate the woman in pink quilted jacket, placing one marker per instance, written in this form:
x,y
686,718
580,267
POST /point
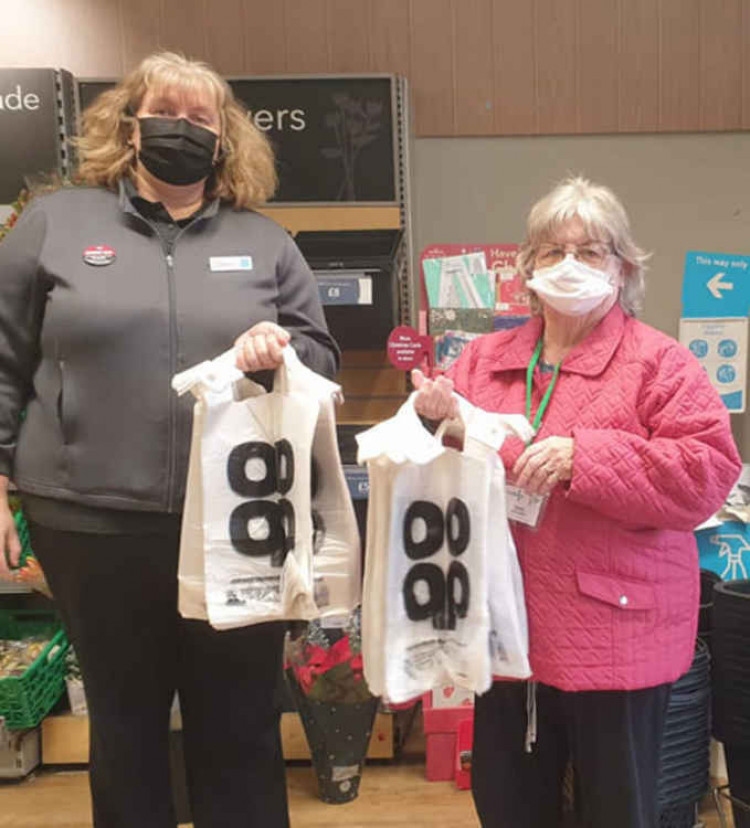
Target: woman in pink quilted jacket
x,y
632,450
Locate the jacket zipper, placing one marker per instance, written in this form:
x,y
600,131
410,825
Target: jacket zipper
x,y
168,250
172,445
171,292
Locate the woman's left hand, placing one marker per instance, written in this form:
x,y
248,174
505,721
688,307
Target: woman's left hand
x,y
544,464
260,348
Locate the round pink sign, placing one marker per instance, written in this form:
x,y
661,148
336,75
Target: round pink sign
x,y
406,348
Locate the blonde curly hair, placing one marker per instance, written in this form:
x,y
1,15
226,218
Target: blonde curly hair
x,y
245,173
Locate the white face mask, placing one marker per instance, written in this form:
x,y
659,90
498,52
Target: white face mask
x,y
572,287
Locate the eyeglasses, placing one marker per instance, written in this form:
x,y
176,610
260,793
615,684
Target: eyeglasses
x,y
590,253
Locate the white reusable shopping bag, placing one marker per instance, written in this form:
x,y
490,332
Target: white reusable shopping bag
x,y
247,547
336,545
509,633
433,546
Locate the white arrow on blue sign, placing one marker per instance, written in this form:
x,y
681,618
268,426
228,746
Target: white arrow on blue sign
x,y
715,285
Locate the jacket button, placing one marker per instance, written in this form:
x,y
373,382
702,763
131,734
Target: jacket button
x,y
623,600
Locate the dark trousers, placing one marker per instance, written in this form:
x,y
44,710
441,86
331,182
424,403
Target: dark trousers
x,y
117,595
612,739
738,767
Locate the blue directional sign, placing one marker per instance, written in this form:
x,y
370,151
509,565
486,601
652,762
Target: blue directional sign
x,y
715,285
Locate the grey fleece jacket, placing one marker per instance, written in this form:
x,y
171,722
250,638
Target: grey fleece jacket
x,y
90,350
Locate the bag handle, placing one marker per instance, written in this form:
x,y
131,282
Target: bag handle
x,y
281,379
216,374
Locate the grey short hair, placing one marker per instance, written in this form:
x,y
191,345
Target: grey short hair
x,y
604,218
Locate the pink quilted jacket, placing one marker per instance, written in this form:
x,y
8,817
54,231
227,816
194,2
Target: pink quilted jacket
x,y
611,574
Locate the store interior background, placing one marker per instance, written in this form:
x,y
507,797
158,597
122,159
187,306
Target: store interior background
x,y
651,97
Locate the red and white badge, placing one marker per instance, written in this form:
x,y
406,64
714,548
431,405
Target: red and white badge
x,y
99,255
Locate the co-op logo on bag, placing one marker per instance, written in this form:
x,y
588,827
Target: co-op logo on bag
x,y
262,526
429,591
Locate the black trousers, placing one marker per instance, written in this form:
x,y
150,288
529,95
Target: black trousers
x,y
612,739
738,767
117,595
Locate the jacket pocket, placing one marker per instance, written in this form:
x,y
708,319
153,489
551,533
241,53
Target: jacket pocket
x,y
65,404
624,593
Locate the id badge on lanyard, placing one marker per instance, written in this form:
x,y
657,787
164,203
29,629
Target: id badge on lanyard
x,y
523,507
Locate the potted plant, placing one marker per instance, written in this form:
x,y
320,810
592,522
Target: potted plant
x,y
324,670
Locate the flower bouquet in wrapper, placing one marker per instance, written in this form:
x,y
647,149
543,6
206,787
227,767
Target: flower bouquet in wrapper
x,y
324,670
327,662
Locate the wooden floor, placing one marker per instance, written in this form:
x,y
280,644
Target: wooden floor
x,y
390,795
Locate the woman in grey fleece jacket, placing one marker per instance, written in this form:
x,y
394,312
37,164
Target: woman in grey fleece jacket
x,y
106,291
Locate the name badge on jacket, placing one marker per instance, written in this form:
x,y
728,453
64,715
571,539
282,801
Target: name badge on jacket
x,y
223,264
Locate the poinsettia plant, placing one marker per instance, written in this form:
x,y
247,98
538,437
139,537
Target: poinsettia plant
x,y
326,662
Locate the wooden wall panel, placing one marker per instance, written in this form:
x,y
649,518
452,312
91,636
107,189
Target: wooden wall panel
x,y
543,66
679,65
432,74
745,65
598,65
348,36
140,31
474,76
306,36
225,36
638,66
555,37
721,64
514,62
389,36
265,38
181,27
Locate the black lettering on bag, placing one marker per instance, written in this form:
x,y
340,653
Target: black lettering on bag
x,y
434,607
457,516
319,531
284,466
239,534
314,478
237,469
288,525
431,514
457,576
279,517
449,594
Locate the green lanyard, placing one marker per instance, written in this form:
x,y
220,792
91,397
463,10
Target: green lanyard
x,y
529,381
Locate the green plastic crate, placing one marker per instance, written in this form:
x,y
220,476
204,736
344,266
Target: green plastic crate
x,y
25,700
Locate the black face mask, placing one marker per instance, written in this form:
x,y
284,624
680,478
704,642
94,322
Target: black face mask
x,y
176,151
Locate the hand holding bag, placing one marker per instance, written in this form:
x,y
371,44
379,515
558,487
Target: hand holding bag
x,y
248,538
439,557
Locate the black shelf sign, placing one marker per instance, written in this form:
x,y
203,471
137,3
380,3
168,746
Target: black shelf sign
x,y
334,137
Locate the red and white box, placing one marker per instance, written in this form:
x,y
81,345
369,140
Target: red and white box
x,y
443,710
